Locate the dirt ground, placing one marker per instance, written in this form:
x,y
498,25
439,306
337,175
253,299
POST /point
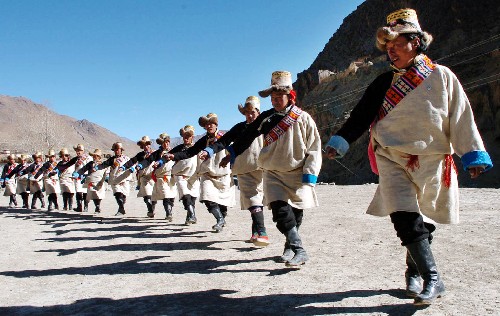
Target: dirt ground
x,y
64,262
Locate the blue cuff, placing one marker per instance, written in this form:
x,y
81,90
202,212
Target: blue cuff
x,y
210,151
477,158
232,153
339,144
309,178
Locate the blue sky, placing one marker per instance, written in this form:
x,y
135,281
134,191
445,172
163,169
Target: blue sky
x,y
146,67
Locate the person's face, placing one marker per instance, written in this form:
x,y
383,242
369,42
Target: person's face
x,y
79,153
251,115
166,144
279,100
11,160
147,147
38,159
65,157
211,128
118,152
52,158
188,139
401,51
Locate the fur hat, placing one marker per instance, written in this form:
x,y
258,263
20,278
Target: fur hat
x,y
63,151
23,157
116,146
97,152
38,154
144,141
52,153
188,129
280,81
252,102
79,147
162,138
210,118
11,156
403,21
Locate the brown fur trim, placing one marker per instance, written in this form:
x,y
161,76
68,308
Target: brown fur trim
x,y
384,35
267,92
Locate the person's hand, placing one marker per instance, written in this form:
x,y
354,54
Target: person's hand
x,y
122,168
476,171
331,153
168,156
75,175
139,167
96,168
203,155
223,163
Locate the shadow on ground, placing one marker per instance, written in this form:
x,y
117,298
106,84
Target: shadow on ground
x,y
220,302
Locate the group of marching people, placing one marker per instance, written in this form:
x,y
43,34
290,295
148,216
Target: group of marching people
x,y
51,176
277,155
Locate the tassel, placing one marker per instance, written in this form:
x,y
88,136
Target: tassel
x,y
448,165
412,163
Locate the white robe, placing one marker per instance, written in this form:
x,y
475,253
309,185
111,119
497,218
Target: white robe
x,y
432,121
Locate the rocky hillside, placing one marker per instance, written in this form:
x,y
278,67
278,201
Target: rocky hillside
x,y
466,39
26,127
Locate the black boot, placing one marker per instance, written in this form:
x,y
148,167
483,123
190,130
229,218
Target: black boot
x,y
14,199
287,253
223,211
41,196
120,199
49,199
79,197
65,201
168,209
25,197
189,207
33,200
147,200
215,210
300,256
85,203
421,254
97,204
70,201
11,201
413,279
54,200
191,215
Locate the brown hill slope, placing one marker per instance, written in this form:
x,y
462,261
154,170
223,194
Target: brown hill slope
x,y
26,127
466,39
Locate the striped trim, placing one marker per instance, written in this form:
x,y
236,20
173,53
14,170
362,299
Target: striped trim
x,y
405,84
283,126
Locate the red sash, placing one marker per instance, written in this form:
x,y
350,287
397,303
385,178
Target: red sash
x,y
282,127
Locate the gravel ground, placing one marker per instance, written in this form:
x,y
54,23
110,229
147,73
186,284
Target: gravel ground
x,y
68,263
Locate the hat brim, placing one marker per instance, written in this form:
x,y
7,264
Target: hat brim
x,y
267,92
143,143
246,107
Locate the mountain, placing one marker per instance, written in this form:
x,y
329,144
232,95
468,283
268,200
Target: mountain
x,y
27,127
466,39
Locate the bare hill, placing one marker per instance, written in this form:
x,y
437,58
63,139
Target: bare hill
x,y
26,127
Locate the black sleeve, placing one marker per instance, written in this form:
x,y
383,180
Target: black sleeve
x,y
177,149
4,171
89,166
192,151
14,171
228,137
134,160
245,139
152,158
107,163
365,112
44,167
